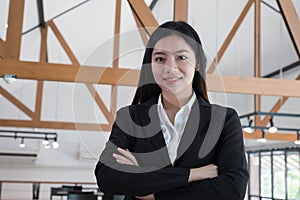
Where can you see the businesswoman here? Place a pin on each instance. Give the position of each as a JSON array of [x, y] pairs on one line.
[[171, 143]]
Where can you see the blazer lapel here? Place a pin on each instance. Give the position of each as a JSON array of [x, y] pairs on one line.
[[152, 128], [198, 119]]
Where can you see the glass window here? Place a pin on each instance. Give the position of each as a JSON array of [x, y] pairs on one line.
[[293, 175], [266, 175], [279, 174], [274, 174], [254, 174]]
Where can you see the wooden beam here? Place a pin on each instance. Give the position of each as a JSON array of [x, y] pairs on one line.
[[142, 31], [16, 102], [43, 50], [38, 100], [292, 21], [181, 10], [2, 49], [14, 30], [63, 42], [144, 14], [113, 96], [228, 39], [100, 103], [129, 77], [67, 73], [40, 84], [257, 58], [2, 43], [55, 125], [252, 85], [271, 136], [117, 34], [276, 108]]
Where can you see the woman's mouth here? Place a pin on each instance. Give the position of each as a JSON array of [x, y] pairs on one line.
[[172, 79]]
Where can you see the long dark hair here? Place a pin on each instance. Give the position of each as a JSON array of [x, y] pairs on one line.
[[147, 87]]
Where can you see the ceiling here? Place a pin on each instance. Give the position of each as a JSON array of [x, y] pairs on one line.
[[88, 29]]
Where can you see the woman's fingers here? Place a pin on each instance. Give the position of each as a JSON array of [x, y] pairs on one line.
[[148, 197], [126, 157], [122, 160]]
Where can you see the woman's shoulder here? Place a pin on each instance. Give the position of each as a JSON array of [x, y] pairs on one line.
[[226, 110]]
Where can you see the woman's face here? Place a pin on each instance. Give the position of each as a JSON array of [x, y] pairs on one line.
[[173, 65]]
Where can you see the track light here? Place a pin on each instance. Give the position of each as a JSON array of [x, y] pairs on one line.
[[298, 138], [55, 144], [45, 137], [22, 144], [45, 141], [262, 139], [272, 128], [249, 129]]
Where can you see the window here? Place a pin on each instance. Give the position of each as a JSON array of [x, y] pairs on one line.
[[274, 174]]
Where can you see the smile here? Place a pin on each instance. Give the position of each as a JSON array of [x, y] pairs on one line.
[[172, 79]]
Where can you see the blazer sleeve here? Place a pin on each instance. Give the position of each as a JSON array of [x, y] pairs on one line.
[[233, 175], [132, 180]]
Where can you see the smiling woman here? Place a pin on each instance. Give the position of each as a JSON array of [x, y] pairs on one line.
[[171, 143], [173, 67]]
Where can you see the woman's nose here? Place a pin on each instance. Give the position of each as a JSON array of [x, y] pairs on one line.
[[172, 64]]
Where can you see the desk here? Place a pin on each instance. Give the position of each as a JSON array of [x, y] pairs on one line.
[[65, 193]]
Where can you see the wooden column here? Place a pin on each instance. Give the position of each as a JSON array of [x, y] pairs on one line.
[[257, 58], [181, 10], [14, 30]]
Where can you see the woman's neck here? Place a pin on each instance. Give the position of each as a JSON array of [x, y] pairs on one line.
[[175, 102]]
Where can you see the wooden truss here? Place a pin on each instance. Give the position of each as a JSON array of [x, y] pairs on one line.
[[44, 71]]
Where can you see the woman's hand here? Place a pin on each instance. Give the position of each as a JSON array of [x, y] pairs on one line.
[[148, 197], [126, 157], [208, 171]]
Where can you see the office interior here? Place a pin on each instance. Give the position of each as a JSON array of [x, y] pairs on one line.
[[67, 66]]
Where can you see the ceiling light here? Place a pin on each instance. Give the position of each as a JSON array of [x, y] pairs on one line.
[[249, 129], [262, 139], [272, 128], [55, 144], [22, 144], [45, 141], [9, 78], [42, 136]]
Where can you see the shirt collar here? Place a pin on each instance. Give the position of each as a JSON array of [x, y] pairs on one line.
[[189, 104]]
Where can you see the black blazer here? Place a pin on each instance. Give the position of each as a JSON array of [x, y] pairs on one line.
[[137, 128]]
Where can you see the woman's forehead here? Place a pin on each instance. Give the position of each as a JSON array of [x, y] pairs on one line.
[[173, 44]]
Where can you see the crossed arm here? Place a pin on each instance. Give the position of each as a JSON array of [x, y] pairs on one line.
[[125, 157], [117, 172]]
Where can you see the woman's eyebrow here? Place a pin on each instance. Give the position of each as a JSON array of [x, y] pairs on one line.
[[175, 52], [159, 53]]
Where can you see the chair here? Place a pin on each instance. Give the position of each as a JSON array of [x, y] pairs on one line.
[[71, 188], [74, 195], [64, 190]]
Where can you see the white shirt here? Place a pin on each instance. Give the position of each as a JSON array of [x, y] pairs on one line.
[[173, 133]]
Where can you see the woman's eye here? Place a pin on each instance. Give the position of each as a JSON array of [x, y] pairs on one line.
[[182, 57], [159, 59]]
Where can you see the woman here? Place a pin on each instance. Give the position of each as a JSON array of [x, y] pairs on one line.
[[171, 143]]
